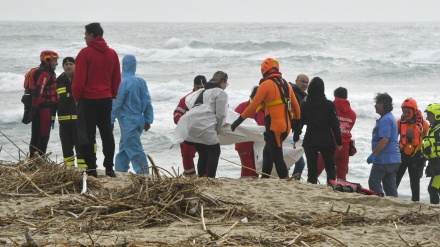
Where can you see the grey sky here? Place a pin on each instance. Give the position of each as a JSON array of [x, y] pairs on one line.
[[220, 10]]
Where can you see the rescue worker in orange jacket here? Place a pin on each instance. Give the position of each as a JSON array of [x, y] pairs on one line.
[[412, 129], [44, 100], [281, 109]]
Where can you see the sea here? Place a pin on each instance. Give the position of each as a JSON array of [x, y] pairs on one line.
[[401, 59]]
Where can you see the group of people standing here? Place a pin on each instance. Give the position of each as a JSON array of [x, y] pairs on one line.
[[403, 145], [283, 107], [90, 94]]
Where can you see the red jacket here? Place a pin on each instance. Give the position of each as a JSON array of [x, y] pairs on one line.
[[346, 116], [259, 116], [180, 110], [97, 72], [247, 147], [45, 93]]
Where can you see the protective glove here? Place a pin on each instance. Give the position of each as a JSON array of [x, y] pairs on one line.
[[52, 125], [236, 123], [371, 159]]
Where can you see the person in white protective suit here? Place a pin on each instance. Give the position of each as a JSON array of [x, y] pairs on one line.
[[132, 107], [204, 120]]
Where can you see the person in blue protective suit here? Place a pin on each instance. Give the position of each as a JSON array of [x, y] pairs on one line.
[[132, 107]]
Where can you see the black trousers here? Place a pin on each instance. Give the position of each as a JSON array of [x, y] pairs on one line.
[[273, 154], [208, 159], [94, 113], [69, 141], [415, 167], [328, 155]]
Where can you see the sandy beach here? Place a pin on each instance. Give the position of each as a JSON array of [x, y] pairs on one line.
[[43, 202]]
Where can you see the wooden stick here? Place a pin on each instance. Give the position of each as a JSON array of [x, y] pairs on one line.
[[153, 166], [261, 173], [34, 185], [13, 143], [203, 218], [333, 239], [227, 232]]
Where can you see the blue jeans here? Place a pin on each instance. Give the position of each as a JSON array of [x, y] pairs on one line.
[[299, 166], [384, 174]]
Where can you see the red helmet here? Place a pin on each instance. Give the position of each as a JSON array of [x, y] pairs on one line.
[[268, 64], [48, 56]]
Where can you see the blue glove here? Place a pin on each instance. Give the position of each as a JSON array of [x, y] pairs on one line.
[[371, 159], [52, 125]]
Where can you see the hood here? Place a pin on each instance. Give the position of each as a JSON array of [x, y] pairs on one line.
[[342, 105], [128, 65], [98, 44], [317, 101]]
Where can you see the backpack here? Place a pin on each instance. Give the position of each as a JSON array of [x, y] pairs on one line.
[[29, 86]]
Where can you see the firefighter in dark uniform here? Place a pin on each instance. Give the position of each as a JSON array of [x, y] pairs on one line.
[[66, 111]]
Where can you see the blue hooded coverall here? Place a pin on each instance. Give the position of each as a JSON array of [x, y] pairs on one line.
[[133, 109]]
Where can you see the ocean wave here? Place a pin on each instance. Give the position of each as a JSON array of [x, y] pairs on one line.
[[421, 56], [10, 82], [179, 53]]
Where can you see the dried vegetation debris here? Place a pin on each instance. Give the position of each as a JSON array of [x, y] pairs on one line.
[[159, 201]]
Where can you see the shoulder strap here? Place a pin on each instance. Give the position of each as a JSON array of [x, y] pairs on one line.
[[199, 99]]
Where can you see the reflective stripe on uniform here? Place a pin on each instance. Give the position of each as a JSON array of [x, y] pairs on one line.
[[436, 182], [68, 117], [69, 161], [180, 109], [190, 171], [81, 163], [61, 90]]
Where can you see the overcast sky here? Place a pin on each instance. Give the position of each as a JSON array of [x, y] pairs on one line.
[[221, 10]]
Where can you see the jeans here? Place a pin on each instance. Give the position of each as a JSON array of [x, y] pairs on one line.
[[384, 174], [299, 166]]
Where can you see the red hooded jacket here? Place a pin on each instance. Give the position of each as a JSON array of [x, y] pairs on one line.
[[97, 72], [346, 116]]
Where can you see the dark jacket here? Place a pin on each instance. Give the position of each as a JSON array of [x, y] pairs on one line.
[[66, 109], [300, 94], [319, 114]]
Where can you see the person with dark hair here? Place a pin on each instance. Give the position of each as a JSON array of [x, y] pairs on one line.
[[431, 151], [187, 150], [246, 149], [44, 101], [385, 154], [281, 108], [300, 90], [67, 116], [319, 114], [203, 122], [96, 83], [412, 129], [347, 119]]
